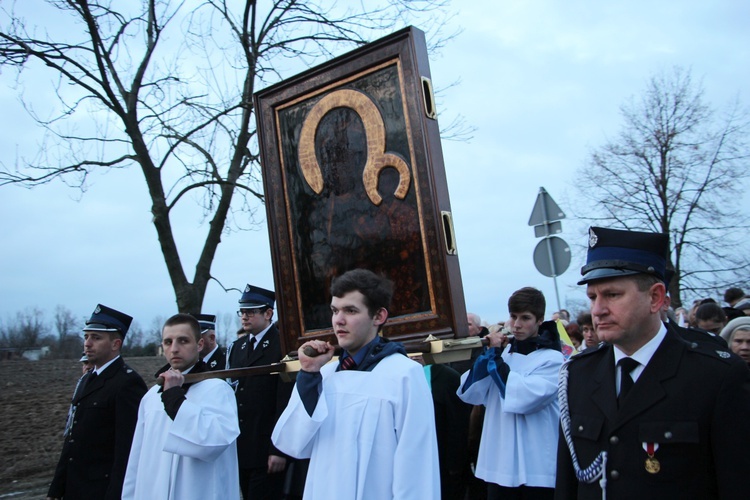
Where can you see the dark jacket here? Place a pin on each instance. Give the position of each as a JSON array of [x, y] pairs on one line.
[[218, 360], [452, 429], [95, 452], [260, 399], [693, 399]]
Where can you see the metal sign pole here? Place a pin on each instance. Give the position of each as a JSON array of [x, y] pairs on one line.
[[556, 259], [550, 254]]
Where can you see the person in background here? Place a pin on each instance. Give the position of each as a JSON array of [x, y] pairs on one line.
[[516, 380], [710, 317], [574, 332], [586, 324], [212, 354], [737, 335], [681, 316], [452, 428], [475, 329], [260, 399], [737, 299], [86, 365]]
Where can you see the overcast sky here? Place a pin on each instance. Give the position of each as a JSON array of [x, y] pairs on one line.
[[542, 82]]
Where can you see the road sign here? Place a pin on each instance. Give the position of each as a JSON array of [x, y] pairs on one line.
[[543, 230], [552, 256], [545, 210]]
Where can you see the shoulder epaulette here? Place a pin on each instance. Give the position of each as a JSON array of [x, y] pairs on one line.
[[590, 351], [711, 350]]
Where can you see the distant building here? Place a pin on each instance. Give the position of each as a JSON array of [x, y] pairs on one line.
[[30, 353]]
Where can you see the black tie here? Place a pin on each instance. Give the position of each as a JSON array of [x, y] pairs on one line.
[[250, 347], [91, 378], [626, 365]]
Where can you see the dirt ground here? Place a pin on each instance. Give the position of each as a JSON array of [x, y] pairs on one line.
[[34, 401]]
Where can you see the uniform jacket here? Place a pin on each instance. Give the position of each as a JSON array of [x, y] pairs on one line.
[[260, 399], [218, 360], [95, 453], [693, 399]]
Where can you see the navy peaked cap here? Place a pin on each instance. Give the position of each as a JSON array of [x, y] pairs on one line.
[[613, 253], [207, 321], [106, 319], [255, 297]]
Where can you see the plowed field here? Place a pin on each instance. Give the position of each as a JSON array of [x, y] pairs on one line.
[[34, 401]]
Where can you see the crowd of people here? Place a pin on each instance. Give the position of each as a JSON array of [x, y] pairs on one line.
[[651, 403]]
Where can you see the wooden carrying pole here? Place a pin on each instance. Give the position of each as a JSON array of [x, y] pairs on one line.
[[433, 350]]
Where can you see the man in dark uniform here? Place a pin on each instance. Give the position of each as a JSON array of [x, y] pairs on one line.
[[260, 399], [648, 414], [212, 354], [103, 415]]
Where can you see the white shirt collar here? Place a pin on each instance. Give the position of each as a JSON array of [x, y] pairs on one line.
[[105, 365], [208, 356], [260, 335], [642, 355]]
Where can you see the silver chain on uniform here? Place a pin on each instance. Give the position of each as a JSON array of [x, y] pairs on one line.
[[597, 469]]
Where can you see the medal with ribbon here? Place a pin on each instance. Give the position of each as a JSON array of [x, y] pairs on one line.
[[652, 464]]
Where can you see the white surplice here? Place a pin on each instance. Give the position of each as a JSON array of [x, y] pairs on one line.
[[520, 431], [192, 457], [371, 436]]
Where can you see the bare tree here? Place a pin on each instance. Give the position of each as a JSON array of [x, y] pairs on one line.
[[68, 338], [26, 330], [677, 168], [135, 335], [153, 334], [229, 327], [166, 86]]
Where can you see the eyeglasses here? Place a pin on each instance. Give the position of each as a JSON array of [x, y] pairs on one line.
[[250, 312]]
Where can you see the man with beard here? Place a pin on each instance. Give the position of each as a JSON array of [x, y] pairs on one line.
[[102, 416]]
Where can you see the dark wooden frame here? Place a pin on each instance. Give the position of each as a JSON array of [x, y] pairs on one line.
[[403, 54]]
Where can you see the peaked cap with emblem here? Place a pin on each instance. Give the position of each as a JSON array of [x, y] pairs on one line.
[[614, 253], [255, 297], [106, 319], [207, 321]]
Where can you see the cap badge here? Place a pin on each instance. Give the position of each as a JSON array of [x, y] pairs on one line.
[[247, 288], [97, 310], [593, 238]]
